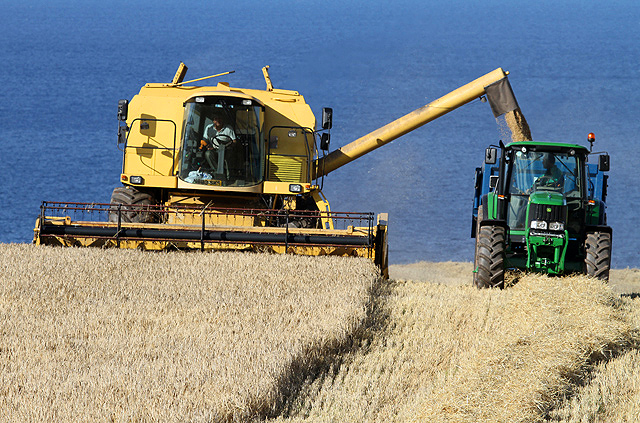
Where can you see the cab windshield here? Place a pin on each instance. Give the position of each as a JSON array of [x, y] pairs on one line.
[[545, 171], [221, 142], [535, 171]]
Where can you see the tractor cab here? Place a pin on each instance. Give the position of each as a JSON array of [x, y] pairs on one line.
[[536, 175]]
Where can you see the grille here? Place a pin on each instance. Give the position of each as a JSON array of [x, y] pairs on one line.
[[287, 169], [547, 213]]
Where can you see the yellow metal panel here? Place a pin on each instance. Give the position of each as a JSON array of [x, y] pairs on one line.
[[148, 162], [216, 91], [282, 142], [215, 219], [155, 180], [323, 205], [287, 169], [153, 140], [273, 187], [289, 110], [157, 245]]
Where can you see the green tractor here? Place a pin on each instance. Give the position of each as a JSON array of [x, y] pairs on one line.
[[540, 207]]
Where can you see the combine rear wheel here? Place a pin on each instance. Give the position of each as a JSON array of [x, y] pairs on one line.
[[489, 272], [598, 255], [125, 196]]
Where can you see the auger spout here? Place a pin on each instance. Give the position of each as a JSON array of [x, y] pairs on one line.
[[500, 97]]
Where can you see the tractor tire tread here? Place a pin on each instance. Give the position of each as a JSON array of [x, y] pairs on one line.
[[598, 255], [489, 272]]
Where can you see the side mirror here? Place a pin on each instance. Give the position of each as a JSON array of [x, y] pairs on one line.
[[490, 155], [603, 165], [324, 141], [327, 117], [123, 109]]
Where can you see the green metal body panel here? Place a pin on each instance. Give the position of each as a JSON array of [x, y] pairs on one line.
[[577, 147], [595, 213], [492, 206], [546, 198], [547, 253]]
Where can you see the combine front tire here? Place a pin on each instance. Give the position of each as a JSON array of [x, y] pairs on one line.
[[381, 248], [126, 196], [598, 254], [489, 272]]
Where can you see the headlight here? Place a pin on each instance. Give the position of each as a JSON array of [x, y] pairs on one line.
[[136, 180], [538, 224], [295, 188], [556, 226]]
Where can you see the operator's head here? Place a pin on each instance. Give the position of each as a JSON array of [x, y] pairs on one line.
[[218, 121], [548, 161]]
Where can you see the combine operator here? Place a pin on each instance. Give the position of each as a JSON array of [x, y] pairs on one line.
[[217, 136]]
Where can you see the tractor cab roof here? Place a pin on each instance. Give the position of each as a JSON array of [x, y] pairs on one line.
[[547, 146]]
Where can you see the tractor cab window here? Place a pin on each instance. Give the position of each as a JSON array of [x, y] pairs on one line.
[[544, 171], [535, 171], [221, 142]]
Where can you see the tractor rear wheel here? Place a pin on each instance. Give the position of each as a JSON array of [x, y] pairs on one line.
[[125, 196], [489, 272], [598, 254]]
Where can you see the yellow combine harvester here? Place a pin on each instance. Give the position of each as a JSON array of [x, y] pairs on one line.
[[223, 168]]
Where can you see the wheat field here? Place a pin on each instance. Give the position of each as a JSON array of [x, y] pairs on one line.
[[108, 335], [115, 335], [612, 391], [457, 354]]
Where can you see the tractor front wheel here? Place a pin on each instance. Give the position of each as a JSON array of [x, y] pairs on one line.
[[598, 254], [489, 272]]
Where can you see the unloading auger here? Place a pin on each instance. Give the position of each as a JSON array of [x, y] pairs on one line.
[[223, 168]]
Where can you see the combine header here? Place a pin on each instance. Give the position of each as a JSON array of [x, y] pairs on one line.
[[222, 168], [190, 227]]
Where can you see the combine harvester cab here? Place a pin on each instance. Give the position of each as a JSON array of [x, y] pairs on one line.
[[223, 168], [540, 207]]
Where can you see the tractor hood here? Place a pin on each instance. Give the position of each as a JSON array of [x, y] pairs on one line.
[[547, 197]]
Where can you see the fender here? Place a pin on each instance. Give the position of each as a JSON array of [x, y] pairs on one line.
[[488, 221], [599, 228]]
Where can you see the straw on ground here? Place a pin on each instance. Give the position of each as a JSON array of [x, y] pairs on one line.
[[95, 335]]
